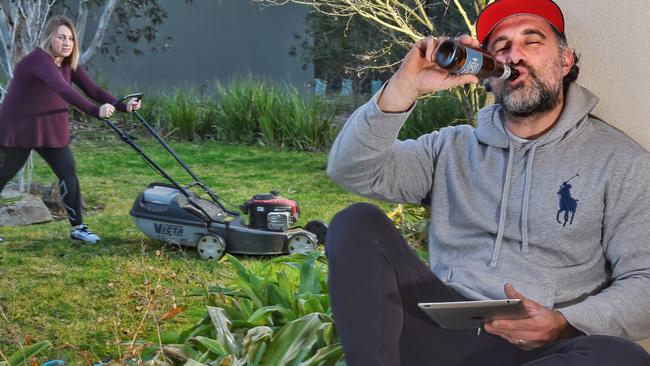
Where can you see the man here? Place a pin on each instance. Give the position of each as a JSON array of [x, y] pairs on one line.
[[541, 202]]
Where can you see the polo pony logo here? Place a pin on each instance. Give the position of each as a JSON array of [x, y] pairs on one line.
[[568, 204]]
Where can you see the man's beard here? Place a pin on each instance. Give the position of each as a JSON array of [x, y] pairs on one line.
[[525, 100]]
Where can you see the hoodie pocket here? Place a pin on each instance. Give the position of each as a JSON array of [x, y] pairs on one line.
[[484, 283]]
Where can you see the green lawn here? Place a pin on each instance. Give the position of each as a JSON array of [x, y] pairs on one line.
[[90, 301]]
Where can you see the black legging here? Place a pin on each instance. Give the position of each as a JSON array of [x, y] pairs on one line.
[[62, 163], [376, 281]]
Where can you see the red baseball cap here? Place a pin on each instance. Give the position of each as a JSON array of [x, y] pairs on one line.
[[499, 10]]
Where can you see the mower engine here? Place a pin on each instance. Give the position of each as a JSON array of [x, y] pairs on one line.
[[271, 211]]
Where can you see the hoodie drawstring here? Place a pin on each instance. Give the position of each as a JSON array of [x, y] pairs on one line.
[[504, 204], [524, 203]]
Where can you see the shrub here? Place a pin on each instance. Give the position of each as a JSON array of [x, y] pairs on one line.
[[278, 318]]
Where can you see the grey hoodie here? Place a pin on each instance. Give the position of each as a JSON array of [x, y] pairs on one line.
[[564, 218]]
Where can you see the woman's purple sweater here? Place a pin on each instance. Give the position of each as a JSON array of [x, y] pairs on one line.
[[34, 113]]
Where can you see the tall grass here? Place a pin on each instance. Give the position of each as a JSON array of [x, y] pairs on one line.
[[152, 110], [256, 112], [182, 112], [236, 119], [433, 113], [252, 112], [244, 111]]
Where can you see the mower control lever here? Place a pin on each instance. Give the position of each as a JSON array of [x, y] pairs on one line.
[[137, 96]]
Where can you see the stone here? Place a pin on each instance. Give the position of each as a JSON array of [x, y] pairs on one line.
[[23, 209], [51, 197]]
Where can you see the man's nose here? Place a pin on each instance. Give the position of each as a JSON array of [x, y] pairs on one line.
[[515, 55]]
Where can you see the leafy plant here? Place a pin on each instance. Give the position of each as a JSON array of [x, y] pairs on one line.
[[25, 354], [413, 223], [276, 318]]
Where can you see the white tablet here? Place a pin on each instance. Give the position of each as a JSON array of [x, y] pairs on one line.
[[472, 314]]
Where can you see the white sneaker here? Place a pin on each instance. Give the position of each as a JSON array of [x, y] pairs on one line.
[[82, 233], [1, 240]]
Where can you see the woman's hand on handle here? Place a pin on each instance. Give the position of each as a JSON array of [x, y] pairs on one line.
[[133, 105], [419, 75], [106, 110]]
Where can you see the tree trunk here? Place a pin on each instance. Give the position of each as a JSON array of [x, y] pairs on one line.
[[82, 19], [21, 25], [104, 19]]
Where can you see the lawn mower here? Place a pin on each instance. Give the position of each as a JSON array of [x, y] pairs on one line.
[[173, 213]]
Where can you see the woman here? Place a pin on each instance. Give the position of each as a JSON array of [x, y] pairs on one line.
[[34, 114]]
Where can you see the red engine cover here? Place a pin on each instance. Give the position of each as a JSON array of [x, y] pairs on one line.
[[260, 205]]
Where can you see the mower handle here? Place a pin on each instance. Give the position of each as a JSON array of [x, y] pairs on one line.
[[137, 96]]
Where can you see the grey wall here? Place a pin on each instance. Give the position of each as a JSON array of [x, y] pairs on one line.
[[214, 39], [612, 39]]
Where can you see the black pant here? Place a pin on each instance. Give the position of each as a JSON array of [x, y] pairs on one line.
[[62, 163], [376, 281]]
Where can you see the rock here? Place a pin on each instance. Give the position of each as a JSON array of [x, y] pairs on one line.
[[24, 210], [51, 197]]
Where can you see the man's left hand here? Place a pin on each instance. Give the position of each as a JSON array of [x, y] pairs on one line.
[[542, 327]]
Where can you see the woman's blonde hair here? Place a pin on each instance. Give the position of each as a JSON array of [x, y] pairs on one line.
[[49, 32]]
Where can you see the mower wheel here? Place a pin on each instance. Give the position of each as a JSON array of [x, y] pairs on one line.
[[211, 246], [301, 243], [318, 228]]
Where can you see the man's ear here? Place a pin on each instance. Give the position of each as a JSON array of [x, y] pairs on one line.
[[567, 60]]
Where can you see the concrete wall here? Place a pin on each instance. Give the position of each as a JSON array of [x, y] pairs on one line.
[[214, 39], [613, 38]]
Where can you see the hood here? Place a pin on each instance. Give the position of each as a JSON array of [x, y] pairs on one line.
[[578, 103]]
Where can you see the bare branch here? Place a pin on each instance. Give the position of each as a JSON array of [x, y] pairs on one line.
[[401, 21], [468, 23]]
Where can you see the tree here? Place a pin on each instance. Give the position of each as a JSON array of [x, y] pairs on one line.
[[408, 18], [345, 48], [356, 48], [21, 25], [403, 22], [132, 22]]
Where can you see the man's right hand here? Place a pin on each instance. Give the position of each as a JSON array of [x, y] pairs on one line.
[[419, 75]]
